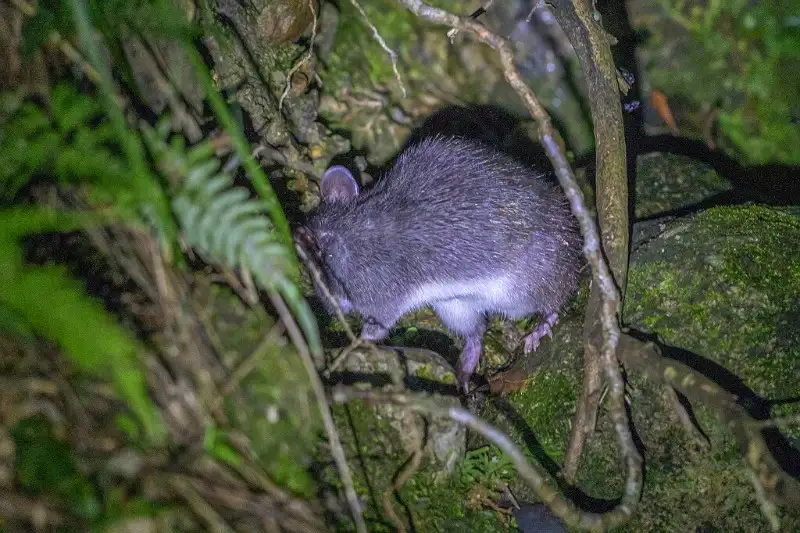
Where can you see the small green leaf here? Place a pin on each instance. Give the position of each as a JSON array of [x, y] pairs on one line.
[[215, 443]]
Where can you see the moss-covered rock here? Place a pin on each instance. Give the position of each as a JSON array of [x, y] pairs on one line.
[[405, 430], [363, 96], [723, 284], [667, 182]]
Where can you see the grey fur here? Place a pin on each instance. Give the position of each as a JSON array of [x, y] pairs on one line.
[[454, 224]]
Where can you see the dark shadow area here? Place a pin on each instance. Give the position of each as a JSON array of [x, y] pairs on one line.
[[489, 124], [773, 184], [486, 123], [583, 500], [379, 380], [781, 448], [426, 339]]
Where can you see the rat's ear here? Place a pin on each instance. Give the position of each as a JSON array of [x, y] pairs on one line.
[[338, 184]]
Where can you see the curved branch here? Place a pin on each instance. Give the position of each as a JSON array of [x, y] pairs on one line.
[[592, 47], [536, 479], [552, 142]]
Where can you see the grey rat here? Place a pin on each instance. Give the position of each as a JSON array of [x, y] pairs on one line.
[[454, 224]]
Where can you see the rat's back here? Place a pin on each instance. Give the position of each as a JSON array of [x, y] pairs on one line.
[[455, 219]]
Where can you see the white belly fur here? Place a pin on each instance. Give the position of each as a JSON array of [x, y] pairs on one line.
[[486, 295]]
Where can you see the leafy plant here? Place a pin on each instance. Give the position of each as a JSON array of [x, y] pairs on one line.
[[223, 222], [487, 466], [45, 465], [81, 140], [48, 301], [745, 59], [74, 142]]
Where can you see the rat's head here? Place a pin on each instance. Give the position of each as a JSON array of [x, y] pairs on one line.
[[322, 236]]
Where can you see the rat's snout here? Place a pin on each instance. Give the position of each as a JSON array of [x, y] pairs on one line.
[[307, 241]]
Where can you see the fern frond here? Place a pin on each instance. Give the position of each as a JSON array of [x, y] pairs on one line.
[[225, 224], [73, 142], [57, 307]]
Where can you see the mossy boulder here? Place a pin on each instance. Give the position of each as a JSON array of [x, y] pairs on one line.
[[402, 430], [723, 284], [667, 182]]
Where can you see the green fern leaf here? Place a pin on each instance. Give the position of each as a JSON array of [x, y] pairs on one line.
[[57, 307], [225, 224]]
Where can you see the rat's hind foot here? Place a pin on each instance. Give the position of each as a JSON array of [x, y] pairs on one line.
[[468, 361], [545, 327], [470, 355]]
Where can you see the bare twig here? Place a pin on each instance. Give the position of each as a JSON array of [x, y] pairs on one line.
[[792, 420], [536, 479], [182, 116], [306, 57], [474, 16], [580, 23], [685, 419], [768, 508], [327, 419], [382, 43], [585, 419], [253, 360], [355, 341], [293, 515], [551, 141], [405, 473], [317, 276]]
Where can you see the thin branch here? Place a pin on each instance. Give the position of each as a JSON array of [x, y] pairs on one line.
[[382, 43], [580, 24], [585, 419], [685, 418], [327, 419], [214, 521], [355, 341], [551, 141], [306, 57], [768, 508]]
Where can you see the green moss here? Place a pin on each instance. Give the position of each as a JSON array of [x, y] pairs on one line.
[[358, 60], [547, 405], [727, 291], [723, 284], [277, 411]]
